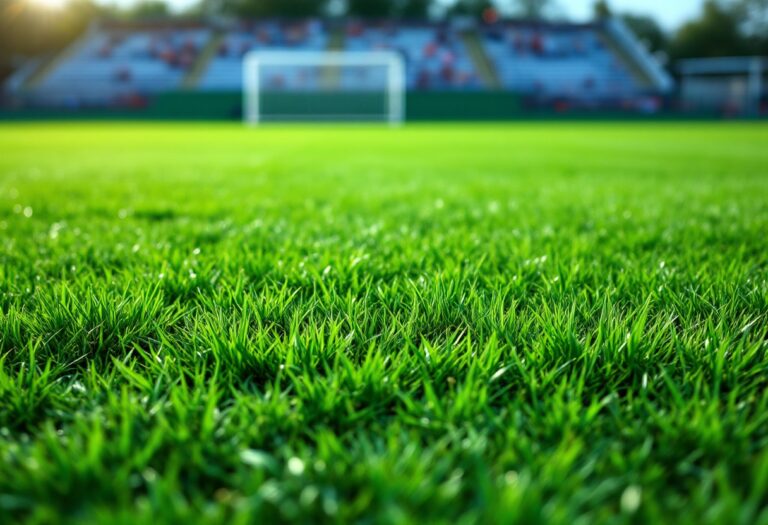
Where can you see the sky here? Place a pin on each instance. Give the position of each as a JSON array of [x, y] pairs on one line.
[[669, 13]]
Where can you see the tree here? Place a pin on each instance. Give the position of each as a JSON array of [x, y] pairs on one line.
[[753, 17], [28, 29], [295, 8], [532, 9], [265, 8], [370, 8], [471, 7], [715, 33], [413, 8], [388, 8], [645, 27], [148, 9], [601, 10], [647, 30]]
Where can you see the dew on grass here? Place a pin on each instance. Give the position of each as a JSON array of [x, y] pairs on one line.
[[432, 264], [309, 495], [511, 477], [149, 475], [256, 458], [56, 227], [330, 503], [223, 495], [28, 212], [631, 499], [296, 466], [270, 491]]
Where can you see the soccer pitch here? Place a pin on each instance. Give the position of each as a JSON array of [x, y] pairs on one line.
[[523, 323]]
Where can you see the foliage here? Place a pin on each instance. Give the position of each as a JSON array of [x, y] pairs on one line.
[[416, 9], [753, 18], [601, 10], [647, 30], [28, 29], [270, 8], [498, 324], [370, 8], [715, 33], [532, 9], [723, 28], [473, 8], [148, 9]]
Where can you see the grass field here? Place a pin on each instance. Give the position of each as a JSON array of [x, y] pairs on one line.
[[553, 323]]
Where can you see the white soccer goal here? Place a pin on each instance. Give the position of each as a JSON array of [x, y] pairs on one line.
[[294, 86]]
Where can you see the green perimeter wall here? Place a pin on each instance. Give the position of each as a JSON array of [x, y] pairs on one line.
[[193, 105], [420, 106]]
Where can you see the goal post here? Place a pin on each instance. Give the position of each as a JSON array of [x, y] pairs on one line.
[[295, 86]]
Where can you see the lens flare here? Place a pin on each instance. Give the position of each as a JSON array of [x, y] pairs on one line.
[[49, 4]]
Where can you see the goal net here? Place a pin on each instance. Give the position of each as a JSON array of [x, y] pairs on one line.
[[285, 86]]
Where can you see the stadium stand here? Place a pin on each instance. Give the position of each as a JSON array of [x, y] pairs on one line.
[[118, 64], [225, 69], [554, 61], [435, 56]]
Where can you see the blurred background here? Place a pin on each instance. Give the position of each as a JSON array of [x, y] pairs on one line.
[[462, 59]]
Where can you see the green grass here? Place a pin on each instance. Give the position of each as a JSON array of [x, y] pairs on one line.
[[561, 324]]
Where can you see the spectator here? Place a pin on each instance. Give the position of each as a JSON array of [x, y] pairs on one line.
[[122, 75], [537, 44], [423, 79]]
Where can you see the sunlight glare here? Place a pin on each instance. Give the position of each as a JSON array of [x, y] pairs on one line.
[[49, 4]]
